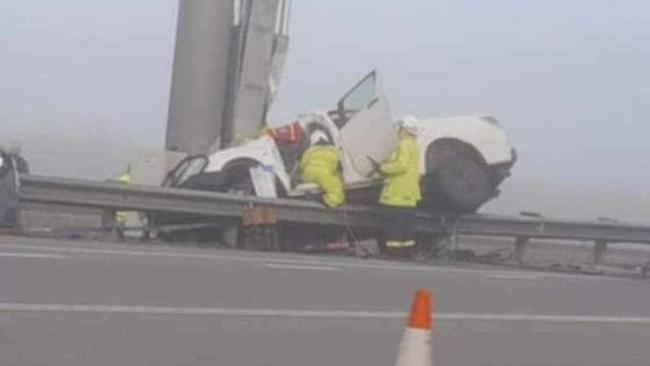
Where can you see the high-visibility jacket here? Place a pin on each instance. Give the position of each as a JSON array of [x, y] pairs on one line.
[[121, 216], [124, 178], [319, 164], [402, 175]]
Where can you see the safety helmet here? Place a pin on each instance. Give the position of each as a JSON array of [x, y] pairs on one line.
[[318, 136], [409, 123]]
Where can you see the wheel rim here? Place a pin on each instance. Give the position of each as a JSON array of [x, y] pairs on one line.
[[465, 175]]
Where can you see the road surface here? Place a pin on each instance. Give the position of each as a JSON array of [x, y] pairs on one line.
[[80, 303]]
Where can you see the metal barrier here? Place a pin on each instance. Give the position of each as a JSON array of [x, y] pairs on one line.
[[47, 190]]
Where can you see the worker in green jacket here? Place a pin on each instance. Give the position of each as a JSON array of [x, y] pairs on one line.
[[320, 164], [125, 178], [401, 192]]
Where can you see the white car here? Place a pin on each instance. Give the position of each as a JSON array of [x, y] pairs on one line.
[[463, 159]]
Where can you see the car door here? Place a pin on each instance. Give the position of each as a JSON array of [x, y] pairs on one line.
[[366, 128]]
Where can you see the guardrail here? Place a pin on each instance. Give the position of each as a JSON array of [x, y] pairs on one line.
[[106, 195], [525, 228], [109, 195]]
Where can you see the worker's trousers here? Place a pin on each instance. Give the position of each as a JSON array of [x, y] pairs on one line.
[[332, 186], [399, 231]]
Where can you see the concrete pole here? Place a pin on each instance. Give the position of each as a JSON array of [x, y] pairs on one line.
[[200, 75], [263, 49]]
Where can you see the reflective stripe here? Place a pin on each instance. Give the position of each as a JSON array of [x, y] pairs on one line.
[[400, 244], [393, 244]]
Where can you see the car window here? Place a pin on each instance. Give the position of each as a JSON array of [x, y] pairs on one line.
[[361, 94], [360, 97]]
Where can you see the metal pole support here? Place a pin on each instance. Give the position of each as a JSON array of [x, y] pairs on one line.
[[521, 249], [600, 249]]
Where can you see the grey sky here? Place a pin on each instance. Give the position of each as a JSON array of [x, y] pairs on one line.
[[567, 79]]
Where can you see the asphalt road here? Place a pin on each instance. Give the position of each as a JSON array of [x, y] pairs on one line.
[[76, 303]]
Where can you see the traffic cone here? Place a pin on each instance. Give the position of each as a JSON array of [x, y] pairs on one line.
[[416, 349]]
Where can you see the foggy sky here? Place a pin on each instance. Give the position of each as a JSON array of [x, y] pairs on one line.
[[568, 81]]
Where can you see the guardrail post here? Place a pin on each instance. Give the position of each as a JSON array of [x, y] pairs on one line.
[[600, 249], [521, 249], [9, 186], [260, 229]]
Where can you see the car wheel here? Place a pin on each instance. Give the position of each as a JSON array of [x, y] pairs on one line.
[[457, 180]]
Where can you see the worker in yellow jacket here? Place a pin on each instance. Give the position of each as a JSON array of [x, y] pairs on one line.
[[401, 191], [320, 164], [125, 178]]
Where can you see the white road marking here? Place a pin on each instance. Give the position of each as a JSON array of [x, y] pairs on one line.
[[299, 267], [31, 255], [513, 276], [332, 314], [545, 318], [377, 265]]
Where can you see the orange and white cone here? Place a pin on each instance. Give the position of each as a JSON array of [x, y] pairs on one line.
[[416, 348]]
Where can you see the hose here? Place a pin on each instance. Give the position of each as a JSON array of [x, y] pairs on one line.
[[354, 239]]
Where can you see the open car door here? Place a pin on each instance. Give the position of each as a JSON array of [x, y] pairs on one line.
[[366, 127]]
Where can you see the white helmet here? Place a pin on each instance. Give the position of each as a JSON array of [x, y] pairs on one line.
[[318, 136], [409, 123]]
